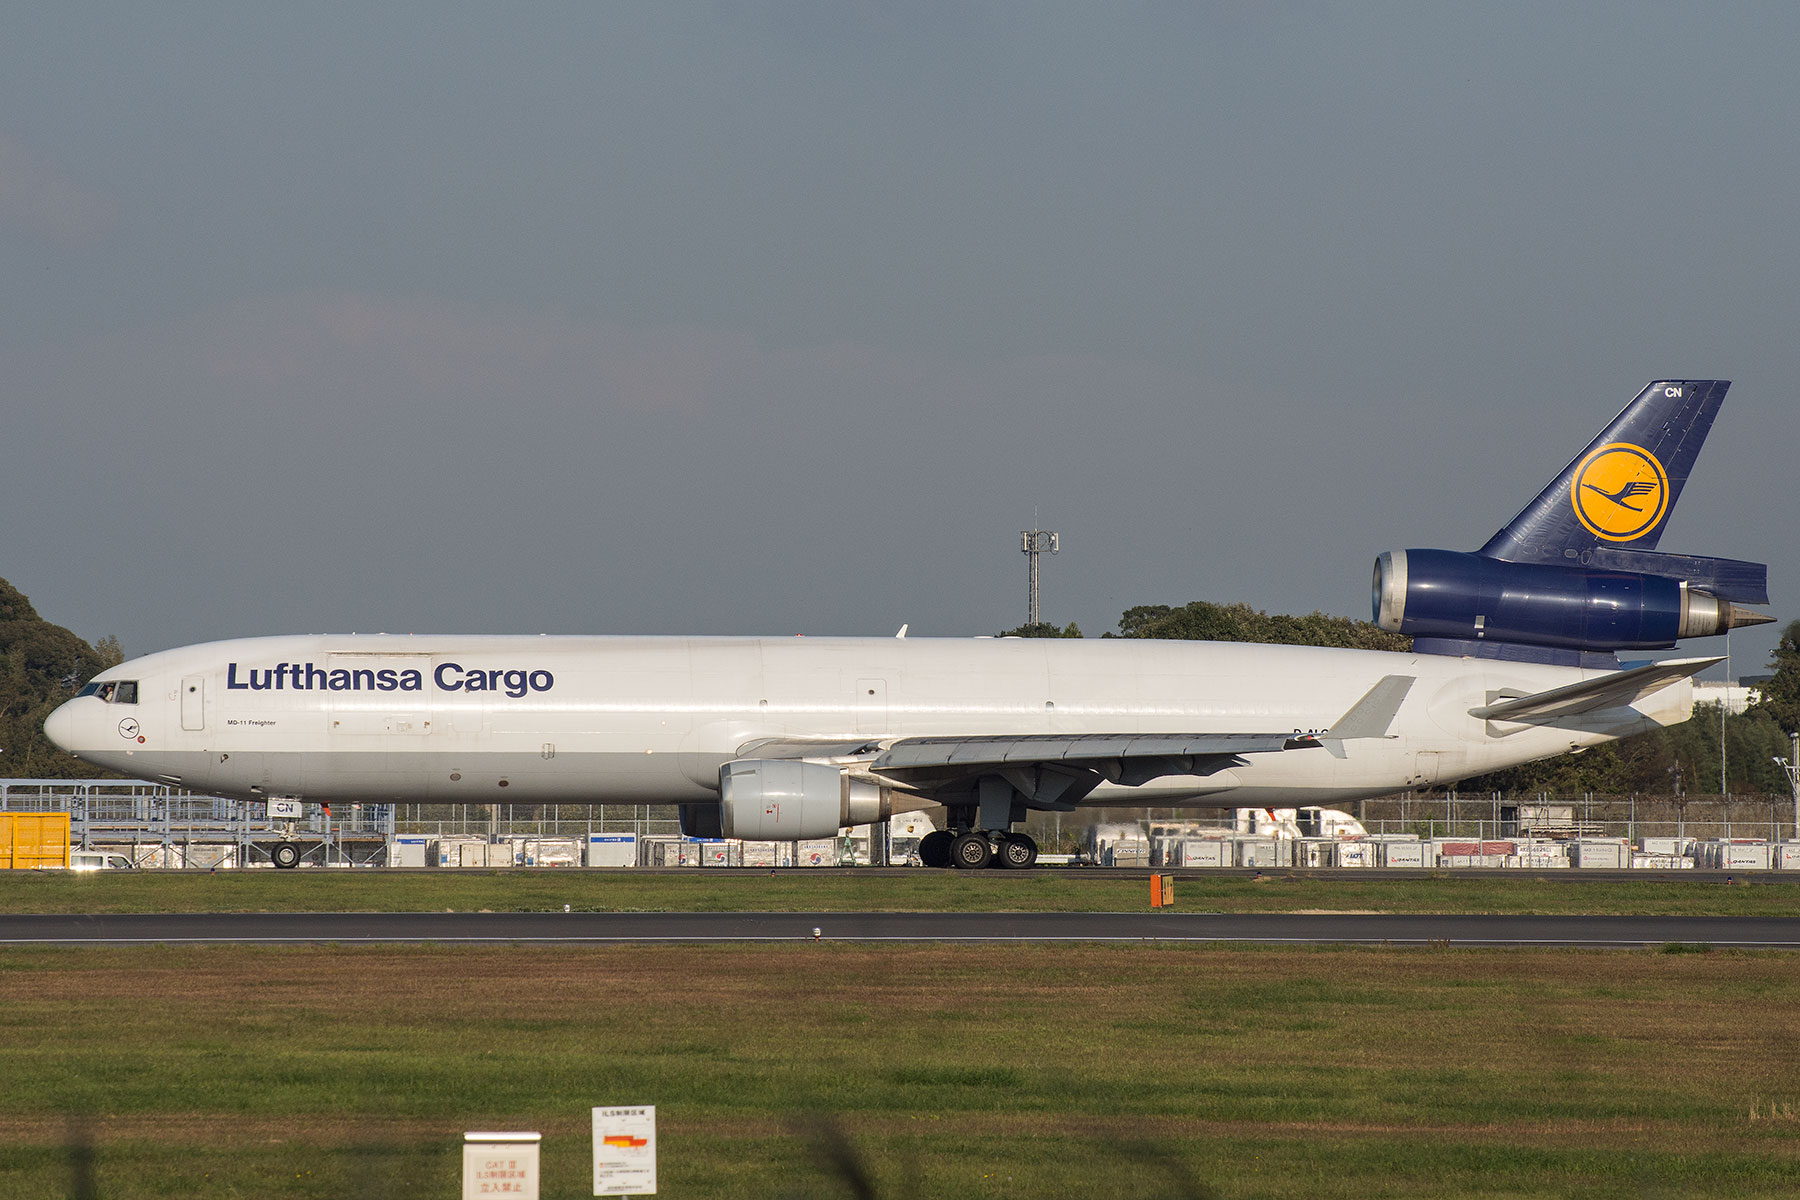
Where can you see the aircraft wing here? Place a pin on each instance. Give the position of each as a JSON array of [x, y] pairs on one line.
[[1606, 691], [1053, 771]]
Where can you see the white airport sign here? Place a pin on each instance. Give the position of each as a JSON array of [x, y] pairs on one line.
[[500, 1164], [625, 1151]]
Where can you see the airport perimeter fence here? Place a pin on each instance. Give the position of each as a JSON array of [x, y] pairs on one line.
[[1766, 816], [173, 827]]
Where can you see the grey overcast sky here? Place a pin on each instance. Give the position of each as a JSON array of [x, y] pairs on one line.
[[784, 318]]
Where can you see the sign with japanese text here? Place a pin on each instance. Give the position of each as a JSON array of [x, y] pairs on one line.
[[495, 1167], [625, 1151]]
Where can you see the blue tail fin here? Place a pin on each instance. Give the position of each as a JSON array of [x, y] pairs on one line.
[[1618, 493]]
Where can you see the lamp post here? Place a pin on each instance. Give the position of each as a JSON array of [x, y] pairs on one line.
[[1791, 767]]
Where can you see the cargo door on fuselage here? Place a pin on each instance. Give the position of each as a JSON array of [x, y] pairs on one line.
[[870, 706], [193, 703], [374, 693]]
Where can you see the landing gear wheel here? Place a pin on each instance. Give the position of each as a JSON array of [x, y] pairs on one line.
[[934, 848], [1017, 851], [971, 852], [285, 855]]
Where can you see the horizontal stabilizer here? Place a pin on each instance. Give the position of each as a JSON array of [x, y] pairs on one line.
[[1727, 578], [1607, 691], [1371, 716]]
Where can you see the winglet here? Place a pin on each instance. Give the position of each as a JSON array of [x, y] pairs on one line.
[[1371, 716]]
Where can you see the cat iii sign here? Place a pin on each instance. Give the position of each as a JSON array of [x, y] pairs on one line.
[[500, 1164]]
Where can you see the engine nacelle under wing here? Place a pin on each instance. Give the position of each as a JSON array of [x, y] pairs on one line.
[[788, 800]]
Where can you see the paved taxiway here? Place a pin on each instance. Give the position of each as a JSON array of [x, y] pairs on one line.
[[1273, 928]]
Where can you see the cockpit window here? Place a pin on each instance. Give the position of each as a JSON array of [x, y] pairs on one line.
[[113, 691]]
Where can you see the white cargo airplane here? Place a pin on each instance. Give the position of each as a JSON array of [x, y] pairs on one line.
[[789, 738]]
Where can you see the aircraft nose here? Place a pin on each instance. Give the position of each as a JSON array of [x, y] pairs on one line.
[[61, 725]]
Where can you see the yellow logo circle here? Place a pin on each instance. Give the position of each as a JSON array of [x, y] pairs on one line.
[[1620, 492]]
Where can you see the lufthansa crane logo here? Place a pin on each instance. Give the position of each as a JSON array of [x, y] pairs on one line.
[[1620, 492]]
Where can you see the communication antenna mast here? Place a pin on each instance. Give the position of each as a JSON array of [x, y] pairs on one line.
[[1033, 542]]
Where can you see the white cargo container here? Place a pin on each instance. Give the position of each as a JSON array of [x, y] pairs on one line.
[[1661, 862], [450, 851], [819, 852], [612, 849], [1745, 856], [1474, 860], [1353, 854], [410, 852], [1606, 855], [767, 854], [1401, 854], [661, 850], [1203, 852], [1119, 845], [720, 853], [1662, 845], [1539, 855], [1314, 852], [1259, 852], [1786, 856], [558, 851]]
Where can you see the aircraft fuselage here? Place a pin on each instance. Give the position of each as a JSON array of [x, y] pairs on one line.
[[484, 719]]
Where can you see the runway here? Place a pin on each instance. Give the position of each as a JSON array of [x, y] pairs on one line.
[[989, 928]]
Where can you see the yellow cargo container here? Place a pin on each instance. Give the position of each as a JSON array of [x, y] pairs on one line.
[[29, 840]]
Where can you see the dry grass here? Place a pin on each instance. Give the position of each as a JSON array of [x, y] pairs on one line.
[[1017, 1071]]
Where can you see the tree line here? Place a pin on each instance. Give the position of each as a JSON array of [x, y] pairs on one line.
[[41, 665]]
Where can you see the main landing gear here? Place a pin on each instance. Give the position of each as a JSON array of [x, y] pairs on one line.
[[973, 849]]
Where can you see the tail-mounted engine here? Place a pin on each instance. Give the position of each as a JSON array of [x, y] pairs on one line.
[[1442, 594]]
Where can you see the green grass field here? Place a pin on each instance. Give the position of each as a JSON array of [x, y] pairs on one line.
[[1019, 1071], [1010, 1071], [845, 891]]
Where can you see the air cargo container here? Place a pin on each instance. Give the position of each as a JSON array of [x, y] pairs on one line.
[[612, 850], [33, 840], [1606, 855], [1744, 856], [1260, 852], [1401, 854], [1203, 852]]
